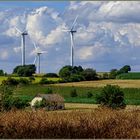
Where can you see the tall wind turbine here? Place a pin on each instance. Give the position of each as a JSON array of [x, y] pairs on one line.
[[38, 52], [72, 31], [23, 34]]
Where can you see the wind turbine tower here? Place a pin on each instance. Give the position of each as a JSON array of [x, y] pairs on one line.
[[72, 31], [38, 52], [23, 34]]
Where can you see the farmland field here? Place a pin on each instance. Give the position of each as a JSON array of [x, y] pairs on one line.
[[131, 89], [132, 95], [130, 75], [101, 83], [37, 79], [97, 123]]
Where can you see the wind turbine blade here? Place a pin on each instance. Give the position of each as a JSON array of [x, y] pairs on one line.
[[35, 60], [74, 23], [25, 30], [18, 30], [44, 52], [66, 30], [35, 46]]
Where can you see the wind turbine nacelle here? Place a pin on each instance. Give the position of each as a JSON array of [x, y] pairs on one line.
[[73, 31], [25, 33]]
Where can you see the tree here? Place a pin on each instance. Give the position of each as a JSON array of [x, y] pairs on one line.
[[51, 75], [111, 96], [125, 69], [71, 74], [1, 73], [26, 70], [65, 72], [89, 74], [113, 73]]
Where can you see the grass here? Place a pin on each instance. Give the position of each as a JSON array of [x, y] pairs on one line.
[[130, 75], [132, 95], [102, 83], [131, 90], [37, 79], [95, 124]]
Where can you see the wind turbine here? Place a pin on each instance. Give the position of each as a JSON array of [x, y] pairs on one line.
[[38, 52], [23, 34], [72, 31]]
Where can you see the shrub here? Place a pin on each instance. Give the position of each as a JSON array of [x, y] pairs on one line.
[[24, 81], [89, 74], [105, 75], [49, 91], [31, 79], [73, 93], [89, 94], [76, 78], [39, 104], [112, 97], [6, 93], [51, 75], [10, 81], [46, 81], [19, 103]]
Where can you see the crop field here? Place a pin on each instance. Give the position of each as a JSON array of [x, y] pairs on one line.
[[98, 123], [131, 89], [132, 95], [131, 75], [37, 79], [102, 83]]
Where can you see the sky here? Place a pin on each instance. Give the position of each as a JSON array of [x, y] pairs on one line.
[[107, 37]]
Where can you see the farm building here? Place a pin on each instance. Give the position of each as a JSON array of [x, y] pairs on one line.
[[51, 101]]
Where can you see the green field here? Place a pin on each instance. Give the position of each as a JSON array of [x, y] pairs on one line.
[[131, 75], [131, 89], [37, 79], [132, 95]]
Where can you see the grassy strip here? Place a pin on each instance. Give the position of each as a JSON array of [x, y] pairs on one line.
[[131, 75]]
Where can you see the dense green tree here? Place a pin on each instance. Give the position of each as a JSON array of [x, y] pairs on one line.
[[26, 70], [89, 74], [69, 72], [65, 72], [125, 69], [1, 73], [111, 96]]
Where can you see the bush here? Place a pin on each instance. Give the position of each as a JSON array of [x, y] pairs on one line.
[[40, 104], [26, 70], [89, 74], [105, 75], [76, 78], [89, 94], [24, 81], [31, 79], [73, 93], [53, 75], [112, 97], [46, 81], [49, 91], [10, 81]]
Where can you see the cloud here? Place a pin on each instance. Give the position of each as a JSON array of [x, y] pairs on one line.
[[107, 34]]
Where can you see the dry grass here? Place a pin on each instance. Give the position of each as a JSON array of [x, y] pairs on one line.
[[79, 106], [100, 123], [102, 83]]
